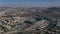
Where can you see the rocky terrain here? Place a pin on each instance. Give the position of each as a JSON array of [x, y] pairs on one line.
[[34, 20]]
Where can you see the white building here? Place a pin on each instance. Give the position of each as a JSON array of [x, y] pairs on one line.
[[2, 13], [16, 17]]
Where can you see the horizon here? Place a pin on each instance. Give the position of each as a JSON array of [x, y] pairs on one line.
[[29, 3]]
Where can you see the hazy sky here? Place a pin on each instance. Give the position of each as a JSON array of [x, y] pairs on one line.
[[17, 3]]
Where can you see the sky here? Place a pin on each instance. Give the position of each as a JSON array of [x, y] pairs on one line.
[[29, 3]]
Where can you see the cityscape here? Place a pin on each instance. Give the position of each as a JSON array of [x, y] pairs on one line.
[[29, 17]]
